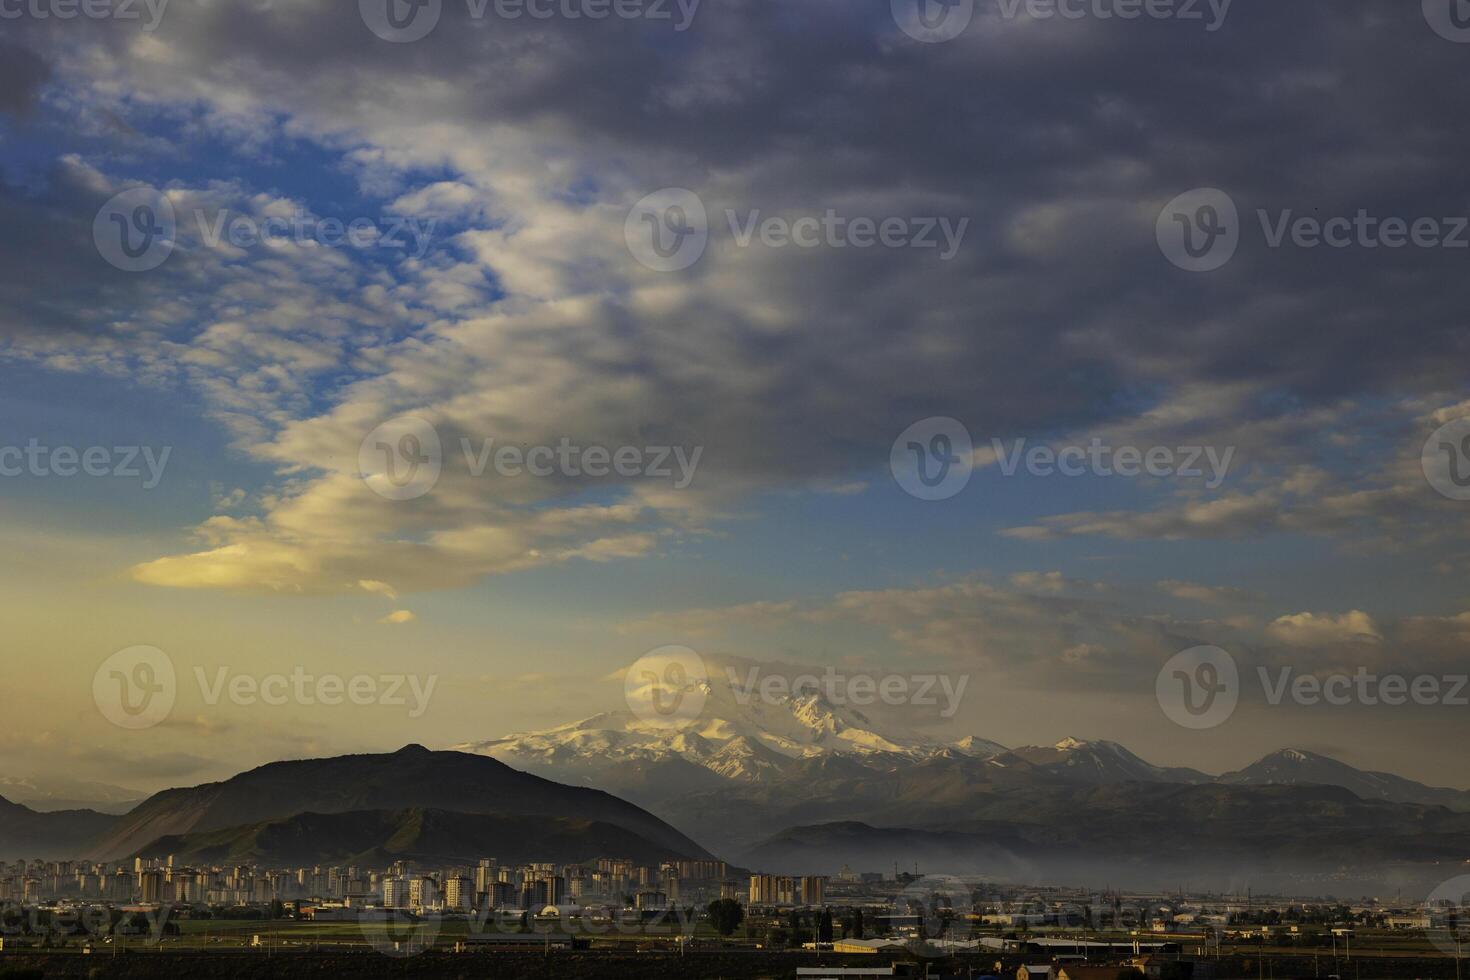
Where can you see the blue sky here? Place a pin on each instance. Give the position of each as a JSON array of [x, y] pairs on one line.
[[530, 318]]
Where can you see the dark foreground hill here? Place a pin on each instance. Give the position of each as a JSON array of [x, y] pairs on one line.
[[377, 838], [411, 778]]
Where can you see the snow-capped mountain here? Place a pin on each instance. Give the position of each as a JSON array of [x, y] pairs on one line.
[[1099, 763], [750, 765], [741, 735]]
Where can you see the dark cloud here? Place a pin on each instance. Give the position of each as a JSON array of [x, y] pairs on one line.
[[22, 73], [1059, 141]]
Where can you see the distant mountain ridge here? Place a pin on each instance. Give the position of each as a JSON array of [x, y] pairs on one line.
[[1295, 767], [50, 793], [751, 767], [60, 834], [1150, 833]]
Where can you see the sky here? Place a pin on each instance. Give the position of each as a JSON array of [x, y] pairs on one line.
[[1036, 174]]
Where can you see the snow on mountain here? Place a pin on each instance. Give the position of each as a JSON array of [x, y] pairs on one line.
[[980, 748], [1098, 761], [742, 734]]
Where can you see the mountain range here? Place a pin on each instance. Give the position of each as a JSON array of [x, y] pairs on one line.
[[47, 793], [790, 784], [801, 782]]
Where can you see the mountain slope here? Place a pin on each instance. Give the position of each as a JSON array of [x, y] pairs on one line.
[[377, 838], [1294, 767], [26, 833], [411, 777], [742, 737], [1150, 833], [1099, 763]]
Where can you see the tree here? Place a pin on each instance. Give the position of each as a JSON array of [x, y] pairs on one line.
[[824, 927], [726, 914]]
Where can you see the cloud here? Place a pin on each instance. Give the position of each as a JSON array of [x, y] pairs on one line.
[[529, 321], [1324, 629], [378, 588], [1195, 592], [398, 617], [699, 622]]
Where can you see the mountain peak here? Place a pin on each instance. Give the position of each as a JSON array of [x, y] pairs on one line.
[[413, 748]]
